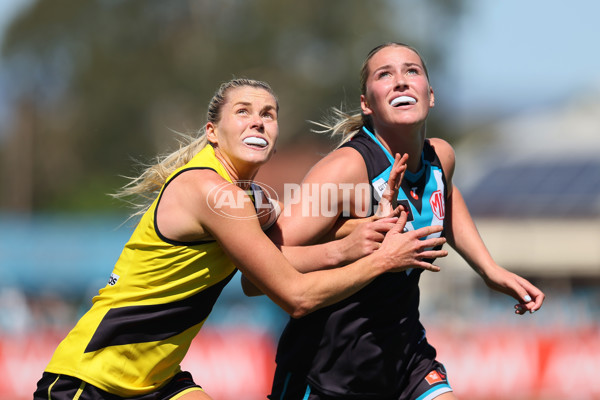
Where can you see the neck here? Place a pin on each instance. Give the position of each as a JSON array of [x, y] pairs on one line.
[[404, 141], [235, 172]]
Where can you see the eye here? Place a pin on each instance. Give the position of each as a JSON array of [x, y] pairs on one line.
[[383, 74], [242, 111], [413, 71], [269, 114]]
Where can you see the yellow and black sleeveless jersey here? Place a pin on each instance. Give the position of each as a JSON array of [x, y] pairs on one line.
[[141, 324]]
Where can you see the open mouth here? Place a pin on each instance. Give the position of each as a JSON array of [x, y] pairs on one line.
[[256, 142], [403, 101]]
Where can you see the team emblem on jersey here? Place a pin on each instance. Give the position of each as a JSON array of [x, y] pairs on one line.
[[413, 193], [434, 377], [437, 204]]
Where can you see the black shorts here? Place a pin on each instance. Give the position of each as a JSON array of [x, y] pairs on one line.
[[65, 387], [288, 386]]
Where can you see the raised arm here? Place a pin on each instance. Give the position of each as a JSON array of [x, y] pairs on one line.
[[463, 236]]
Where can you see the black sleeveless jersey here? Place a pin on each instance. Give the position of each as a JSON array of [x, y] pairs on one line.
[[368, 345]]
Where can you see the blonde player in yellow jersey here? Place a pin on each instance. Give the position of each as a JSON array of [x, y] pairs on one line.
[[200, 227]]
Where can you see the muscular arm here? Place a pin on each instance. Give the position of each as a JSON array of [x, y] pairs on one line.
[[313, 209], [189, 212], [463, 236], [303, 223], [327, 191]]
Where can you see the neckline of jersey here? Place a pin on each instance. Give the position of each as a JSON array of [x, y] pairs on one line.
[[407, 174]]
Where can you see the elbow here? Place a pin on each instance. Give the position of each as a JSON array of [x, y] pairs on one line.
[[298, 298], [299, 306], [300, 311]]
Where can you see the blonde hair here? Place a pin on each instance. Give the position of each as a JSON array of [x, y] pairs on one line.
[[148, 184], [345, 125], [342, 125]]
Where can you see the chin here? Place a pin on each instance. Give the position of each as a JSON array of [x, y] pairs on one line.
[[408, 120], [258, 159]]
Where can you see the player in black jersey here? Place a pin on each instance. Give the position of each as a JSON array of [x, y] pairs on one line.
[[372, 345]]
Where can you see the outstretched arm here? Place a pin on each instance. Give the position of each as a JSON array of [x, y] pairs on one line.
[[463, 236], [465, 239]]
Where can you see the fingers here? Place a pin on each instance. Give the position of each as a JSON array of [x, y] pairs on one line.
[[539, 300], [522, 308], [403, 167], [396, 211], [386, 221], [395, 178], [431, 254], [401, 223], [398, 170], [432, 242], [538, 296], [428, 230], [427, 266], [394, 173], [530, 296], [397, 167], [379, 227], [529, 304]]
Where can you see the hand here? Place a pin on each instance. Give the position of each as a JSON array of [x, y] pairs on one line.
[[365, 238], [530, 298], [388, 206], [406, 249]]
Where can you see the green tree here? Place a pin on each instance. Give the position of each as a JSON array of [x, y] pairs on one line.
[[98, 83]]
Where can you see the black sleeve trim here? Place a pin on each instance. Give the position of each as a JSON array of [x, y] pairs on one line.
[[160, 235]]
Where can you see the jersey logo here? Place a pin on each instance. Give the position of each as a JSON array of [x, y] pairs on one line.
[[433, 377], [413, 193], [112, 281], [379, 185], [437, 204]]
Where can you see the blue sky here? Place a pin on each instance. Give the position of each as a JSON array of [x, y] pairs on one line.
[[524, 52], [506, 54]]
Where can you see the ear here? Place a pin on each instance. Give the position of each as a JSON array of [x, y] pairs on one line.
[[431, 98], [211, 133], [364, 106]]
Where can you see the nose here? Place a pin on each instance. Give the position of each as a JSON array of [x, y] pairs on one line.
[[257, 123], [400, 82]]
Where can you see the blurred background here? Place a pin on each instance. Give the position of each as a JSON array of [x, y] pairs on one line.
[[87, 89]]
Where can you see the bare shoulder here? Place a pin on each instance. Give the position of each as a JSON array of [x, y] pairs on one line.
[[343, 165], [445, 152], [186, 203], [195, 184], [442, 148]]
